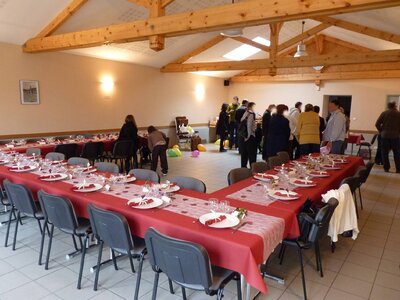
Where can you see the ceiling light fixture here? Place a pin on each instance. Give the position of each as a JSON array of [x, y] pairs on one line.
[[233, 32], [301, 48]]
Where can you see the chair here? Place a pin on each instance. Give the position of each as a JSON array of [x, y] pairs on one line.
[[259, 167], [274, 161], [58, 212], [144, 174], [238, 174], [190, 183], [107, 167], [112, 229], [33, 151], [354, 183], [368, 145], [363, 174], [93, 151], [122, 152], [309, 236], [78, 161], [187, 264], [55, 156], [69, 150], [284, 156], [23, 203]]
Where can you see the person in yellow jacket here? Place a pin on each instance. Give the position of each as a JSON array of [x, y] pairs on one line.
[[307, 131]]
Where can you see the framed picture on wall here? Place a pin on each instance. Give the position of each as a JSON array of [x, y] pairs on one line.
[[29, 91]]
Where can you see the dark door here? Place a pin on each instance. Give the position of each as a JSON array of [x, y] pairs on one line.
[[345, 102]]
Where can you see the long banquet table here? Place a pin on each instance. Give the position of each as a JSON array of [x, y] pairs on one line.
[[242, 251]]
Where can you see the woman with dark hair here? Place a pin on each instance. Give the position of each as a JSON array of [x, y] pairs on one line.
[[157, 142], [223, 126], [129, 132], [248, 124], [278, 132]]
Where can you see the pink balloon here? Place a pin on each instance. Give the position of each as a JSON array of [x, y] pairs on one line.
[[195, 153]]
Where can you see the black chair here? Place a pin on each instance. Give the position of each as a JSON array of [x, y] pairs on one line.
[[23, 204], [274, 161], [93, 151], [122, 153], [354, 183], [309, 236], [113, 229], [59, 212], [363, 174], [238, 174], [284, 156], [259, 167], [187, 264], [368, 145], [146, 175], [69, 150], [190, 183]]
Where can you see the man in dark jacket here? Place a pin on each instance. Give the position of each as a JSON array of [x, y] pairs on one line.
[[265, 124], [388, 125], [238, 117]]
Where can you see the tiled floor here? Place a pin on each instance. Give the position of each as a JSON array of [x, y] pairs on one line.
[[367, 268]]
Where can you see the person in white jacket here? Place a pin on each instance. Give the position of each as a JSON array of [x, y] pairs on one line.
[[294, 114]]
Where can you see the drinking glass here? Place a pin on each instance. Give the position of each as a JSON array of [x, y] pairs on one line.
[[213, 204]]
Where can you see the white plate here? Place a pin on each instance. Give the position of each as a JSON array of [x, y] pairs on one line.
[[58, 162], [284, 168], [303, 182], [265, 177], [89, 170], [230, 221], [59, 176], [341, 161], [171, 189], [31, 168], [330, 167], [318, 174], [97, 187], [4, 162], [291, 195], [301, 162], [156, 202]]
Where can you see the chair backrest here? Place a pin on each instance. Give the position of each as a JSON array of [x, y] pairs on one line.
[[362, 174], [55, 156], [21, 198], [33, 150], [369, 167], [284, 156], [374, 138], [183, 262], [92, 150], [122, 149], [144, 174], [112, 228], [69, 150], [107, 167], [238, 174], [58, 211], [78, 161], [274, 161], [259, 167], [322, 218], [353, 182], [189, 183]]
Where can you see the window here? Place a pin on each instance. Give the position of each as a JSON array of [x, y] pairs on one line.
[[244, 51]]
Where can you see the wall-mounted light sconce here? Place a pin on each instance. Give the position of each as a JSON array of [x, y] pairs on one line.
[[107, 85]]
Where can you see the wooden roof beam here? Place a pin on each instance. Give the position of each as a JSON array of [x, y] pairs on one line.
[[156, 42], [247, 13], [274, 29]]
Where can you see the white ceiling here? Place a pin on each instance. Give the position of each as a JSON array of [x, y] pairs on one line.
[[23, 19]]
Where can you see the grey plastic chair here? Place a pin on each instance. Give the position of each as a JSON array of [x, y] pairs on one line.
[[78, 161], [33, 150], [190, 183], [284, 156], [55, 156], [144, 174], [107, 167], [187, 264], [22, 203], [58, 212], [112, 229], [274, 161], [69, 150], [354, 183], [238, 174], [259, 167]]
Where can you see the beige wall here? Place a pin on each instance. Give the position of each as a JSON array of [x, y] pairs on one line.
[[368, 96], [72, 99]]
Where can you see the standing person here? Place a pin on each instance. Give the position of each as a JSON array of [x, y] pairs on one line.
[[308, 130], [378, 155], [278, 132], [259, 136], [129, 132], [248, 122], [238, 116], [321, 121], [292, 135], [388, 125], [223, 126], [233, 137], [157, 142], [294, 114], [335, 131], [265, 125]]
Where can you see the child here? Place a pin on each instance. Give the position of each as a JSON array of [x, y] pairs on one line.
[[158, 146], [259, 135]]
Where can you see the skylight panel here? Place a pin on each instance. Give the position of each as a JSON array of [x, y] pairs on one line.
[[244, 51]]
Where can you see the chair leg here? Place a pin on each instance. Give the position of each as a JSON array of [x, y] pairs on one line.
[[16, 230], [114, 260], [318, 255], [139, 276], [46, 267], [355, 203], [302, 273], [42, 243], [155, 285], [74, 240], [96, 280], [282, 254], [171, 287], [239, 287], [361, 200], [183, 293], [131, 262], [40, 226], [82, 260], [8, 226]]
